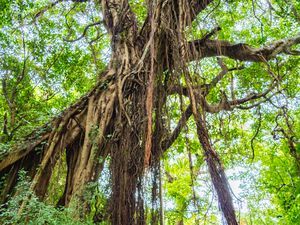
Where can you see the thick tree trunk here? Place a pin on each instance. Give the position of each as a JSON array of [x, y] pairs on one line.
[[108, 120], [112, 118]]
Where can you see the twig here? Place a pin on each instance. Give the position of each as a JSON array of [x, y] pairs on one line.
[[259, 124], [84, 32]]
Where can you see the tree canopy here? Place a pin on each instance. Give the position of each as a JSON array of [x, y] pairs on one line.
[[150, 112]]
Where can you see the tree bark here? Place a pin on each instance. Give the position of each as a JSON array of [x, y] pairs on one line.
[[217, 173]]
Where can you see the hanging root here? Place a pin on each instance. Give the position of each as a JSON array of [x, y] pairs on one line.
[[217, 173]]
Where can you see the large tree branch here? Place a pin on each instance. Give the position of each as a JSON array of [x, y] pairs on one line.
[[242, 51], [21, 149], [226, 104]]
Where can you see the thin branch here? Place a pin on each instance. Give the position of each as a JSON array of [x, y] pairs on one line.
[[254, 13], [96, 38], [198, 6], [40, 13], [26, 113], [210, 34], [211, 11], [253, 96], [257, 104], [19, 79], [216, 80], [185, 116], [5, 92], [44, 77], [94, 58], [296, 14], [257, 130], [84, 32]]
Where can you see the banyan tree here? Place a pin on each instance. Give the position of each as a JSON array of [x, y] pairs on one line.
[[124, 118]]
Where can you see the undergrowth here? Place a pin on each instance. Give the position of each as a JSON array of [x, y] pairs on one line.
[[35, 212]]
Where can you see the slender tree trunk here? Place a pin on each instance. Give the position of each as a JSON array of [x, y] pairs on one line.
[[217, 173], [161, 197]]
